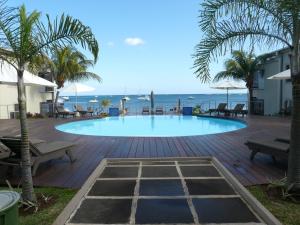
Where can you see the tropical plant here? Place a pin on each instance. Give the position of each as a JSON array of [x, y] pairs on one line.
[[105, 103], [69, 64], [230, 23], [241, 66], [23, 37], [197, 110], [286, 191]]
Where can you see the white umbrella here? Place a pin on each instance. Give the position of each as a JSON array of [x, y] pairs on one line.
[[8, 75], [78, 88], [93, 101], [284, 75], [229, 85]]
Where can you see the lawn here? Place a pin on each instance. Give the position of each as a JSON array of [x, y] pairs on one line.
[[287, 212], [47, 216]]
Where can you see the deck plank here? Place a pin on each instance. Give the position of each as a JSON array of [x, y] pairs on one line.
[[228, 147]]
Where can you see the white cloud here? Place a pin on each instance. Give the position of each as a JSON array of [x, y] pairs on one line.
[[134, 41]]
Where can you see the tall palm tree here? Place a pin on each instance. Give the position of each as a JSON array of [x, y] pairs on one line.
[[22, 37], [69, 64], [242, 66], [228, 23], [105, 103]]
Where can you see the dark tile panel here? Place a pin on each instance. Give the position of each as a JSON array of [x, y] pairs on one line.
[[204, 161], [159, 171], [113, 188], [156, 211], [161, 188], [209, 187], [199, 171], [158, 163], [120, 172], [107, 211], [226, 210], [121, 163]]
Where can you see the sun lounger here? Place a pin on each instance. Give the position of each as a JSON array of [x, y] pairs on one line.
[[40, 153], [61, 111], [238, 109], [269, 146], [159, 110], [145, 110], [221, 109], [33, 141], [283, 139], [4, 151], [78, 108]]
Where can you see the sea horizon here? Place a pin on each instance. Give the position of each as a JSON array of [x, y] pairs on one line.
[[143, 94], [167, 101]]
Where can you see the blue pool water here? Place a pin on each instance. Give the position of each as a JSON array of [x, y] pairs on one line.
[[151, 126]]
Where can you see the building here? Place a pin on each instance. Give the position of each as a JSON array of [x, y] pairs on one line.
[[272, 97], [39, 91]]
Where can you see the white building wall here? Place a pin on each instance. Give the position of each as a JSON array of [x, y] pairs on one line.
[[9, 97], [274, 92], [271, 89], [287, 90], [286, 84]]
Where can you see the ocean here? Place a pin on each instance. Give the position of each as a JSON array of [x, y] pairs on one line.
[[167, 101]]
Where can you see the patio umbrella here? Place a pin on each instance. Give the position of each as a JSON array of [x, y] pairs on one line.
[[229, 85], [152, 102], [93, 101], [284, 75], [78, 88]]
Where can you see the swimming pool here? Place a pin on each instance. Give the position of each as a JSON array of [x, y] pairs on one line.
[[151, 126]]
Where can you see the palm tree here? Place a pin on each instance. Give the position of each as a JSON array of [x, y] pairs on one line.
[[69, 64], [242, 66], [228, 23], [23, 37], [105, 103]]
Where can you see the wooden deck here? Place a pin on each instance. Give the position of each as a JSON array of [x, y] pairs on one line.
[[228, 147]]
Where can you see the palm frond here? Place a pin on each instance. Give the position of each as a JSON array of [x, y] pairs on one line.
[[67, 31], [69, 64], [222, 75], [228, 24], [81, 76]]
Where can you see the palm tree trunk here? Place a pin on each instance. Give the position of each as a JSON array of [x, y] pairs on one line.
[[294, 154], [250, 100], [293, 177], [27, 184], [56, 98]]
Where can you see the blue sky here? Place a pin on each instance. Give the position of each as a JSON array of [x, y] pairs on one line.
[[144, 45]]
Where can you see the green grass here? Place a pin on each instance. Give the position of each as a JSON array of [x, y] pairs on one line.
[[48, 215], [287, 212]]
